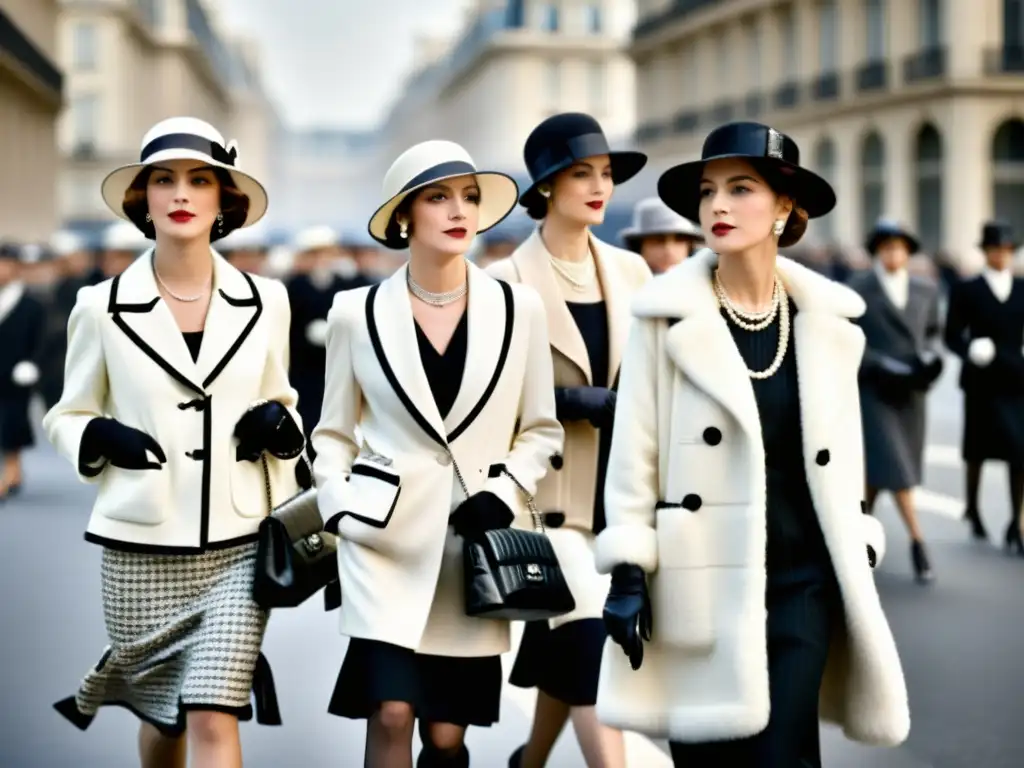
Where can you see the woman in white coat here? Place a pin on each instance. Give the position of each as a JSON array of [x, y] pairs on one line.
[[736, 537], [586, 286], [175, 387], [438, 394]]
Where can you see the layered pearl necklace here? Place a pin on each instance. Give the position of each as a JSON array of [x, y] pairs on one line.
[[578, 274], [435, 299], [758, 321]]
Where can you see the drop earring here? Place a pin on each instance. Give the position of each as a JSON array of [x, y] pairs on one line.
[[220, 223], [779, 227], [149, 217], [403, 229], [544, 191]]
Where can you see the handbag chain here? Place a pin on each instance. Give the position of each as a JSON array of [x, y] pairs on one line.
[[538, 519], [266, 477]]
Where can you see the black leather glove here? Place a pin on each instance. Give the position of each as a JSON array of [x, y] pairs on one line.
[[268, 427], [481, 512], [121, 445], [627, 612], [593, 404], [927, 371]]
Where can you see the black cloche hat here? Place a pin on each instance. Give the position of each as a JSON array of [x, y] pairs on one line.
[[996, 234], [564, 139], [885, 229], [679, 186]]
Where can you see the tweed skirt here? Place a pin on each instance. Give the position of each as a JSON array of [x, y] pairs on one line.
[[184, 634]]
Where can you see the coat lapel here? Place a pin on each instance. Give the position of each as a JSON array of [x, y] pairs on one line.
[[617, 290], [532, 261], [486, 322], [393, 334], [897, 316], [235, 308]]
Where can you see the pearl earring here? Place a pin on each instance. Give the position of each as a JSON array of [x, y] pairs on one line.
[[220, 222], [780, 227], [544, 191], [403, 229]]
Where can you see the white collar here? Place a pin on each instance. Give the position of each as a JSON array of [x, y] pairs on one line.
[[10, 295]]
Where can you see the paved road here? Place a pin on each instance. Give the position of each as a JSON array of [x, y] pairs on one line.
[[960, 641]]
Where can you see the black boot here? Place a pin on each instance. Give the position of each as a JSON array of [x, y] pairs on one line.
[[973, 518], [919, 557], [516, 759], [430, 757], [1012, 541]]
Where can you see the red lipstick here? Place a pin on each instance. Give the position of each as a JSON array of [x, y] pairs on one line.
[[721, 230], [457, 232], [597, 205], [182, 217]]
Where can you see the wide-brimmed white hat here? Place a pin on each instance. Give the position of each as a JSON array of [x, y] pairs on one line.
[[653, 217], [314, 238], [185, 138], [432, 162]]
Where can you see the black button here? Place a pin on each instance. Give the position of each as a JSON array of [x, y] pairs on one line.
[[692, 502], [823, 457], [712, 435], [199, 404], [197, 455], [556, 461], [863, 507], [554, 519], [872, 556]]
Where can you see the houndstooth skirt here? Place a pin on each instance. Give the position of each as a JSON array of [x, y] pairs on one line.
[[185, 634]]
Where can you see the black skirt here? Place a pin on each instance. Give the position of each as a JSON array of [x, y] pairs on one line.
[[441, 689], [564, 663], [15, 424], [993, 427]]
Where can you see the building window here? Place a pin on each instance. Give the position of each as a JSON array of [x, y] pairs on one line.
[[930, 23], [825, 164], [724, 58], [753, 56], [515, 14], [84, 47], [85, 120], [872, 178], [152, 12], [928, 157], [553, 80], [790, 45], [874, 29], [596, 85], [1008, 173], [593, 17], [548, 17], [827, 36]]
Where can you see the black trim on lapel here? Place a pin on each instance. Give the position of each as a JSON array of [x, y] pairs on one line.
[[116, 309], [389, 374], [253, 301], [204, 504]]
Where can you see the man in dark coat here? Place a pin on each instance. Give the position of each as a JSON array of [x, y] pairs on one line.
[[22, 325], [901, 326], [985, 328]]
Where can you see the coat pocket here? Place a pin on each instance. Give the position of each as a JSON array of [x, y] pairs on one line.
[[682, 589], [140, 496], [371, 498], [248, 488]]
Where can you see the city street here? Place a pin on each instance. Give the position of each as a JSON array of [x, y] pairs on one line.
[[960, 641]]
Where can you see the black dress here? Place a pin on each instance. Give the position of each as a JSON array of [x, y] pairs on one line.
[[565, 663], [802, 595], [22, 331], [993, 395], [462, 690]]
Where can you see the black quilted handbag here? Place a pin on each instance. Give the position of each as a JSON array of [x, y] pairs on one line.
[[295, 556], [514, 574]]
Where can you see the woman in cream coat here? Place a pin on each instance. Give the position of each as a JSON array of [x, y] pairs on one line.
[[176, 386], [445, 376], [586, 286], [735, 483]]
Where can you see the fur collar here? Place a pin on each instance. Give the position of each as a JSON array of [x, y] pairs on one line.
[[686, 290]]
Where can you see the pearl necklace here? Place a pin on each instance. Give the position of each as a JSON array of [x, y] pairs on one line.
[[435, 299], [578, 274], [176, 297], [757, 321]]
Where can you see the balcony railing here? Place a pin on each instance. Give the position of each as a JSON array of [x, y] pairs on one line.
[[825, 87], [1009, 59], [677, 10], [926, 64], [753, 105], [686, 121], [787, 95], [873, 76], [14, 42]]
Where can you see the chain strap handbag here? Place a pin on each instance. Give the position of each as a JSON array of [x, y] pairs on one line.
[[295, 556], [513, 574]]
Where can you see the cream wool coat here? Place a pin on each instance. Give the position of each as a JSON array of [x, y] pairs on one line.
[[571, 484], [127, 360], [402, 583], [705, 673]]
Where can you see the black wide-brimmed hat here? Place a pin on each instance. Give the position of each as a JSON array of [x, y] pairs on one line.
[[886, 229], [997, 234], [679, 186], [565, 139]]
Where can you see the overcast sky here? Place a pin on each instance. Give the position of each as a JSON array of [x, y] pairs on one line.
[[336, 62]]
